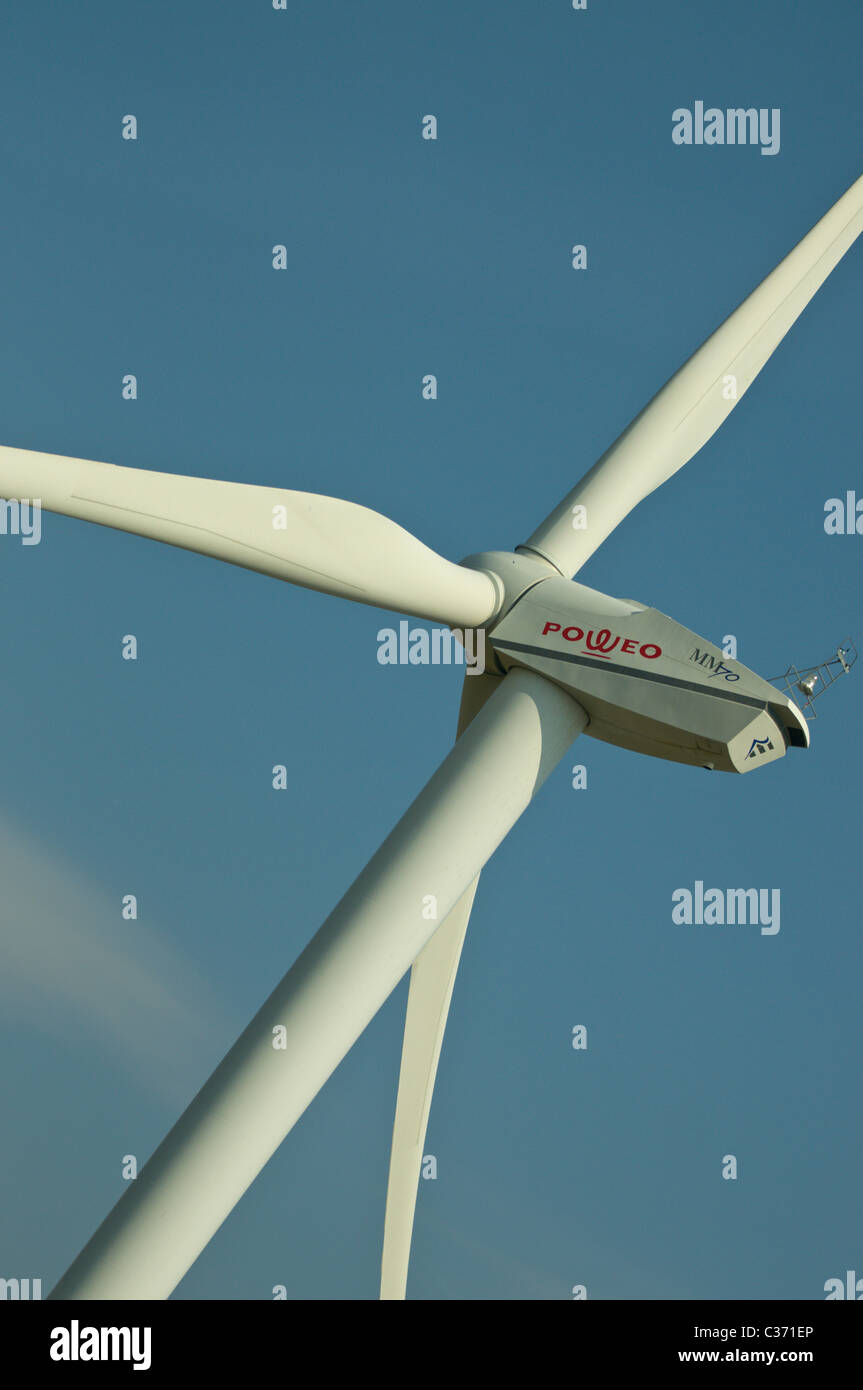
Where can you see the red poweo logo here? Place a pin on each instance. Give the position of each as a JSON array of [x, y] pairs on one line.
[[603, 642]]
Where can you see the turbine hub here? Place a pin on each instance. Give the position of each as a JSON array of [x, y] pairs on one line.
[[513, 575]]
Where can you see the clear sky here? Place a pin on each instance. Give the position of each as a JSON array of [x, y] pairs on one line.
[[406, 257]]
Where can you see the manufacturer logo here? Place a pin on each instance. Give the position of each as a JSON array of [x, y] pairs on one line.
[[714, 664], [604, 642], [759, 745]]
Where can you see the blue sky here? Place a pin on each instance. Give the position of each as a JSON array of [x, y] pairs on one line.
[[406, 256]]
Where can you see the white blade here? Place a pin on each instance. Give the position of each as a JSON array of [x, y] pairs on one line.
[[257, 1093], [694, 403], [432, 980], [320, 542]]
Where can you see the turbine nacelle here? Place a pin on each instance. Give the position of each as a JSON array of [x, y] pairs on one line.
[[648, 683]]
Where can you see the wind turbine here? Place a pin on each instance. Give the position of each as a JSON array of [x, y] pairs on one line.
[[567, 660]]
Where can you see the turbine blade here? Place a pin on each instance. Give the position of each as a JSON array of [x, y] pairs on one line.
[[699, 397], [314, 1016], [432, 979], [319, 542]]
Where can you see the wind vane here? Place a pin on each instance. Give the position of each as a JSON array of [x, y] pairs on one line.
[[812, 681]]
